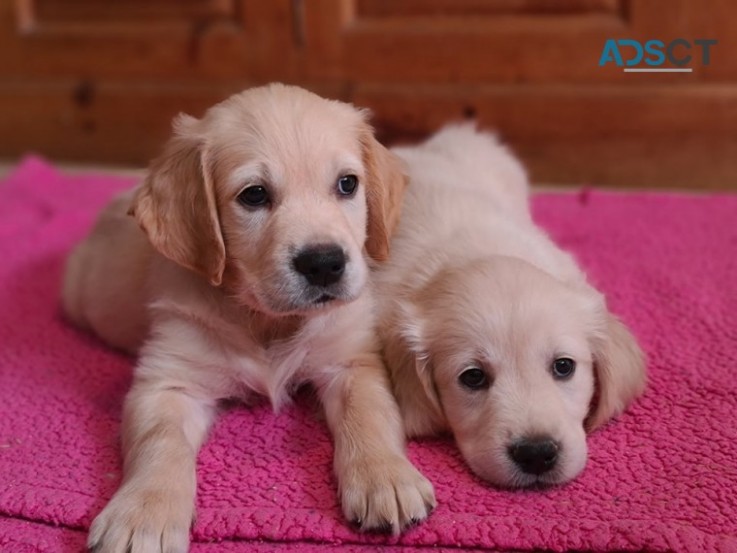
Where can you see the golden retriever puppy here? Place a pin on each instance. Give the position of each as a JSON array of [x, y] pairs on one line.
[[491, 332], [250, 276]]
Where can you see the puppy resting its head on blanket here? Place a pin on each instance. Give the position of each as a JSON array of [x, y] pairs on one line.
[[490, 330]]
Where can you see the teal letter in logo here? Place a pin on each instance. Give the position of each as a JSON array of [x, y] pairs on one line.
[[610, 53], [637, 46], [655, 47]]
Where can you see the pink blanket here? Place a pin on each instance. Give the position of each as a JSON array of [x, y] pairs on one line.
[[661, 478]]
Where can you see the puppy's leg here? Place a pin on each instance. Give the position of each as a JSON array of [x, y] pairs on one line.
[[379, 488], [163, 428]]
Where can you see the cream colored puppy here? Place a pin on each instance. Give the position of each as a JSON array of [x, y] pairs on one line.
[[249, 277], [490, 330]]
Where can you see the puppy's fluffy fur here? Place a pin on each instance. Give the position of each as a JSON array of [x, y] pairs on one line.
[[473, 284], [209, 296]]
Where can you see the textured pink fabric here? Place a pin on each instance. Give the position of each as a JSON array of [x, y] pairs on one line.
[[662, 478]]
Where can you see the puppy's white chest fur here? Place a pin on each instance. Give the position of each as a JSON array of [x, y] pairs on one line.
[[229, 351], [312, 351], [273, 371]]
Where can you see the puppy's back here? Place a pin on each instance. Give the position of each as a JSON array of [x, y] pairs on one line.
[[465, 190], [104, 287], [477, 165], [468, 198]]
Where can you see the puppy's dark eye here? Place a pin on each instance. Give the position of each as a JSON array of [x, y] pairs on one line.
[[563, 368], [474, 378], [254, 196], [347, 185]]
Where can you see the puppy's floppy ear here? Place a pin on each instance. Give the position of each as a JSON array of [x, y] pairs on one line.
[[619, 366], [385, 184], [175, 205], [411, 333]]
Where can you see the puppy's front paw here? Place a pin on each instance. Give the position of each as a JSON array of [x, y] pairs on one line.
[[385, 495], [143, 521]]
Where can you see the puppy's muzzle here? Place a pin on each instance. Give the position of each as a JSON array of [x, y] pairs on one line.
[[320, 265], [534, 455]]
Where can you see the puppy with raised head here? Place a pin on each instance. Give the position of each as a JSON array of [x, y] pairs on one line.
[[248, 275], [491, 331]]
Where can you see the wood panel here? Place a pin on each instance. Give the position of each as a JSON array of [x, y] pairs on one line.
[[100, 81], [698, 154], [113, 122], [512, 42], [553, 112], [653, 136], [692, 161], [468, 8], [229, 41], [93, 12]]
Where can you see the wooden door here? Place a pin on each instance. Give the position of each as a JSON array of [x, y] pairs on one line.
[[530, 68], [100, 80]]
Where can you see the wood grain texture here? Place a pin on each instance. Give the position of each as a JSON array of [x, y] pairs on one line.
[[86, 80], [92, 11], [113, 122], [404, 8]]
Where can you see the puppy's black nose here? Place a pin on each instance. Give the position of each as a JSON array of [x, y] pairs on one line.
[[534, 455], [320, 265]]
